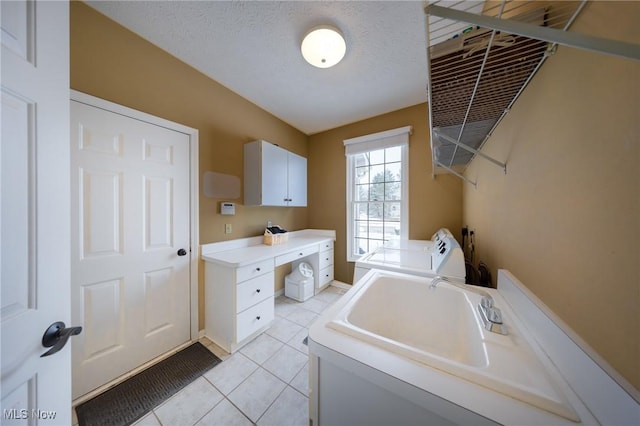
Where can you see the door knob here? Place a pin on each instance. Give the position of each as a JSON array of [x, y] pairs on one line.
[[182, 252], [56, 336]]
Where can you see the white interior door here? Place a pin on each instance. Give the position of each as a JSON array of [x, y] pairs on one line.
[[34, 218], [130, 218]]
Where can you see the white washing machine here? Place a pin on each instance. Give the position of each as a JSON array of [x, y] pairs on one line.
[[441, 255]]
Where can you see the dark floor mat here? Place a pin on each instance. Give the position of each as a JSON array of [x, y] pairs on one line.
[[136, 396]]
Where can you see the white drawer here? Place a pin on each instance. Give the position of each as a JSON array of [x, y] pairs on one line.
[[326, 259], [254, 318], [325, 276], [298, 254], [254, 291], [255, 269], [327, 245]]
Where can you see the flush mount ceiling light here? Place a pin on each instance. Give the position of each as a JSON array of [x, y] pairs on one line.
[[323, 46]]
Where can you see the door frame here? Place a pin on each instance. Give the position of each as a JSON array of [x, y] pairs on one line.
[[194, 191]]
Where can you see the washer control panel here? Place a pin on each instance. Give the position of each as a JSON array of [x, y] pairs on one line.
[[447, 257]]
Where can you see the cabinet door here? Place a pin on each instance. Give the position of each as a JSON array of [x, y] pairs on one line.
[[297, 180], [274, 175]]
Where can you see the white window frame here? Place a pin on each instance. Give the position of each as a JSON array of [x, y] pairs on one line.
[[373, 142]]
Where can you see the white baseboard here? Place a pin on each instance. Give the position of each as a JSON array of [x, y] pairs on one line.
[[341, 285]]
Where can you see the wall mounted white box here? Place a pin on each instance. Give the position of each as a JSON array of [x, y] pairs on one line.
[[227, 208]]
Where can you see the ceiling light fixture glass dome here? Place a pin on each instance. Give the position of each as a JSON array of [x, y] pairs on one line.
[[323, 46]]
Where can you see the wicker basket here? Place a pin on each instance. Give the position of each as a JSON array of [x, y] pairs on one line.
[[275, 235], [273, 239]]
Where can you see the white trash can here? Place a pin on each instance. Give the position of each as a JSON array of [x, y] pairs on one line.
[[298, 285]]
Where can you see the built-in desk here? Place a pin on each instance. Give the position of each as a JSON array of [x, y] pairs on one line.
[[239, 281]]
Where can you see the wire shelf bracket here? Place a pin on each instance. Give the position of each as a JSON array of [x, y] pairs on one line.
[[460, 175], [470, 149]]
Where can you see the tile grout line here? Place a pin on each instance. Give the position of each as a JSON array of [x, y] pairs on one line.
[[224, 397], [306, 327]]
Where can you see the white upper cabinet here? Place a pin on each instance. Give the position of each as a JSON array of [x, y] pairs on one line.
[[297, 180], [268, 169], [274, 176]]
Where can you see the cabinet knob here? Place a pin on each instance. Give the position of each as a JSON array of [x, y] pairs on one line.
[[258, 269], [258, 291], [300, 254], [258, 317]]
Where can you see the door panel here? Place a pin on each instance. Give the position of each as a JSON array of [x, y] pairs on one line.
[[158, 300], [158, 213], [104, 312], [101, 213], [34, 216], [18, 200], [130, 181]]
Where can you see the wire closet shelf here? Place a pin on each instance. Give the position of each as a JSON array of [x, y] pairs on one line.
[[476, 71]]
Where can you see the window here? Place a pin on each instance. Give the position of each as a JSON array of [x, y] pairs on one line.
[[377, 188]]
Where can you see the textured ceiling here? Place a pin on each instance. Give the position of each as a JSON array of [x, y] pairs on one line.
[[253, 48]]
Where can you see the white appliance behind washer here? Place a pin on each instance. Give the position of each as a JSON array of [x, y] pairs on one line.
[[441, 255]]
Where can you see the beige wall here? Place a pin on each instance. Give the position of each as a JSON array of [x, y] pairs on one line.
[[566, 217], [433, 203], [110, 62], [571, 144]]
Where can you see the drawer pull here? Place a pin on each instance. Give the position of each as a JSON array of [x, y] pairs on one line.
[[258, 290], [258, 317]]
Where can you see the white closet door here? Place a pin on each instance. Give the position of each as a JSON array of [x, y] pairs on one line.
[[130, 221]]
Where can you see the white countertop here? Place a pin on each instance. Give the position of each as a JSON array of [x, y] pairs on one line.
[[245, 251]]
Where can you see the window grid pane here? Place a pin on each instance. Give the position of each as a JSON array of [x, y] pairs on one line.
[[377, 198], [392, 172], [377, 157], [361, 193], [393, 154]]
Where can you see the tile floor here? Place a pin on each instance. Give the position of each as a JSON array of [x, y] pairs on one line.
[[264, 383]]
